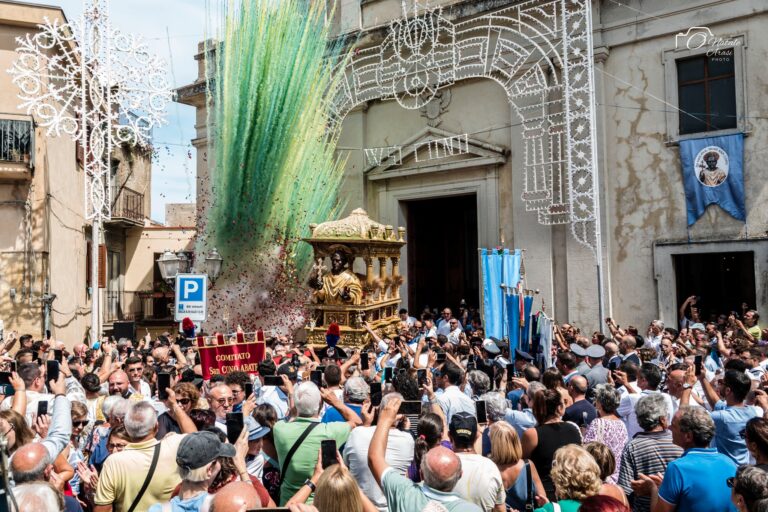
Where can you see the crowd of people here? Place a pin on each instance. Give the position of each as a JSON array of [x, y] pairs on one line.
[[432, 416]]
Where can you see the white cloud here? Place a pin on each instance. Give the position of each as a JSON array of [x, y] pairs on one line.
[[173, 173]]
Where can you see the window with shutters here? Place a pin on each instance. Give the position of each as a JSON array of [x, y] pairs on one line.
[[102, 266]]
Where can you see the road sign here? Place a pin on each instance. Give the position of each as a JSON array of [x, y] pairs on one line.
[[192, 297]]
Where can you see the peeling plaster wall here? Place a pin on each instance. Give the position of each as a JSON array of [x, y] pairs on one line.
[[642, 176]]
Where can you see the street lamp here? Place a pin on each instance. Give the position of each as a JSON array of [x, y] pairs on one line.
[[171, 264], [213, 264]]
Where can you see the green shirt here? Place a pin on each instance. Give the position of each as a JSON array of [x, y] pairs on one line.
[[565, 506], [286, 433], [405, 496]]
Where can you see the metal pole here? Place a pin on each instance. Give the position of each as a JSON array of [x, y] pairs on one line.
[[95, 293]]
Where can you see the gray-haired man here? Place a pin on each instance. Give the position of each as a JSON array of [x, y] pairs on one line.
[[650, 451]]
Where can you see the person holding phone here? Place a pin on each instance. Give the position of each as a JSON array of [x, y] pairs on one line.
[[302, 436], [356, 392], [59, 427], [33, 376], [399, 453], [277, 386], [236, 382], [480, 481], [441, 470]]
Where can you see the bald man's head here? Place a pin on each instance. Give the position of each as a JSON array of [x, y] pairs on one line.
[[29, 463], [232, 497], [441, 469], [578, 385]]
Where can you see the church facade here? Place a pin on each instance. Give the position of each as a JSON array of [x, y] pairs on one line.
[[491, 157]]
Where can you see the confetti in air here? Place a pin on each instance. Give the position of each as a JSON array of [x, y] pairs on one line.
[[275, 169]]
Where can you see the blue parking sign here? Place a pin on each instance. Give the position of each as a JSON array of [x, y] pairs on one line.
[[191, 297]]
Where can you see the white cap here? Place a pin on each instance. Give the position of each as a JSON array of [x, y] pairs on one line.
[[490, 346]]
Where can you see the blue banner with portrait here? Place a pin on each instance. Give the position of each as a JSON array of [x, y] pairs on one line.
[[713, 173]]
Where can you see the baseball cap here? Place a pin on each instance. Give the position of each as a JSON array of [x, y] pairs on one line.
[[490, 347], [288, 370], [698, 326], [256, 431], [463, 425], [201, 448]]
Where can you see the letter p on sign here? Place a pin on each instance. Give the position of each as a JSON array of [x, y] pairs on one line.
[[190, 287]]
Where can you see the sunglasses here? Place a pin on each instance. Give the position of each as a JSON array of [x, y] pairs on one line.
[[116, 446], [184, 401], [80, 423], [224, 401]]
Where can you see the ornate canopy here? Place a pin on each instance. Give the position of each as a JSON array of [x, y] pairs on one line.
[[357, 237]]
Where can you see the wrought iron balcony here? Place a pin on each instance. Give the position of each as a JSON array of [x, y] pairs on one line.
[[128, 207], [16, 149]]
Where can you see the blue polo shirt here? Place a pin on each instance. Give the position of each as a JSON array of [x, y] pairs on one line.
[[332, 414], [696, 482], [729, 422]]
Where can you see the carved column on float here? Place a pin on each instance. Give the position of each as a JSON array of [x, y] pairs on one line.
[[383, 277], [396, 280]]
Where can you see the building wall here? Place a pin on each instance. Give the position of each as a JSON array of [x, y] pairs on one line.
[[141, 246], [645, 201], [180, 214], [42, 249]]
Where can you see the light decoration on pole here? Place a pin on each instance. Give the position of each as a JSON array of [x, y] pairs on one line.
[[100, 86]]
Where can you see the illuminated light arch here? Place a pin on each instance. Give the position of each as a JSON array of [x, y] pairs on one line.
[[540, 52]]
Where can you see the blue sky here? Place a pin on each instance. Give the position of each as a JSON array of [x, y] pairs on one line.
[[173, 172]]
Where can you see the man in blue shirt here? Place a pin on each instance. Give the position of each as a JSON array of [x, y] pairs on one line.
[[729, 413], [356, 391], [696, 482]]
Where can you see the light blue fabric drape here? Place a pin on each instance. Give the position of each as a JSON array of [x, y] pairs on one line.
[[492, 306], [513, 314], [498, 267], [526, 330]]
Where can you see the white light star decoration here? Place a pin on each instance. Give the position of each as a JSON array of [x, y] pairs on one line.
[[95, 84]]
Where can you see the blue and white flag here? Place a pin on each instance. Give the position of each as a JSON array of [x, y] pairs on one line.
[[713, 172], [498, 266]]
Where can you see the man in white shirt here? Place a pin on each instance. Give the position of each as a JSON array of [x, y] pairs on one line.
[[455, 335], [443, 327], [399, 454], [452, 399], [648, 382], [138, 387], [480, 481], [655, 331], [34, 379], [404, 317]]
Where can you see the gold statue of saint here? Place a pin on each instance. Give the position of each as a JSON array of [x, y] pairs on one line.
[[340, 286]]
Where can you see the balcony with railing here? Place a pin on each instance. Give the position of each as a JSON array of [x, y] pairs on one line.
[[128, 208], [146, 307], [16, 149]]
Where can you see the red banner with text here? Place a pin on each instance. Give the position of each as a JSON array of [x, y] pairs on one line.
[[242, 353]]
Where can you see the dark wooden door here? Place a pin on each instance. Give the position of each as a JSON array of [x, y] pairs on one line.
[[442, 253]]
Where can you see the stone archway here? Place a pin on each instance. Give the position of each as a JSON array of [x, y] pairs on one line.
[[540, 52]]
